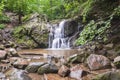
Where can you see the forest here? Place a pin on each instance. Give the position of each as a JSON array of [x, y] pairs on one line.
[[59, 39]]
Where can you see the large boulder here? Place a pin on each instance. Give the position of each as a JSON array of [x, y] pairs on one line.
[[111, 75], [48, 68], [97, 62], [64, 71], [70, 28], [34, 66], [3, 54]]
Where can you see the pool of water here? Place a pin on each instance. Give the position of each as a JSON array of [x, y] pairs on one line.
[[53, 52]]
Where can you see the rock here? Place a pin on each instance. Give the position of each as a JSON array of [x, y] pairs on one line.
[[117, 62], [2, 47], [3, 54], [19, 75], [97, 62], [109, 46], [21, 63], [5, 61], [111, 75], [76, 58], [64, 71], [13, 52], [34, 66], [4, 67], [48, 68], [2, 76], [77, 72], [70, 28]]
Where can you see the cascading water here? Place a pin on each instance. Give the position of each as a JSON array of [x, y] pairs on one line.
[[63, 35], [57, 38]]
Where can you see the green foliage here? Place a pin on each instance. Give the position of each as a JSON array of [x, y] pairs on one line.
[[92, 31], [2, 26], [1, 7], [4, 19]]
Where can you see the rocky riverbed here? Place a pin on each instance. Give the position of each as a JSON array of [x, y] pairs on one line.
[[93, 61]]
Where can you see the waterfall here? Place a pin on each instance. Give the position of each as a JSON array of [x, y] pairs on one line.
[[57, 38], [61, 35]]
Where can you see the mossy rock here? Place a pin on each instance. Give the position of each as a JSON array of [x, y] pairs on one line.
[[48, 68]]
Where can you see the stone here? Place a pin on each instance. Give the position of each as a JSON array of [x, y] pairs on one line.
[[64, 71], [21, 63], [2, 75], [110, 75], [96, 62], [19, 75], [13, 52], [3, 54], [76, 58], [48, 68], [2, 47], [109, 46], [77, 72], [34, 66], [4, 67], [117, 62]]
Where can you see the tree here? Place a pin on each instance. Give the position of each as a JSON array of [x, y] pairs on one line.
[[21, 7]]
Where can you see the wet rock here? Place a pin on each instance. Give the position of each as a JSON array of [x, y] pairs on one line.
[[3, 54], [21, 63], [19, 75], [34, 66], [77, 72], [117, 62], [64, 71], [70, 28], [97, 62], [48, 68], [111, 75]]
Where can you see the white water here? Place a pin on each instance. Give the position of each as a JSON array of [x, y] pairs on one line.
[[59, 40]]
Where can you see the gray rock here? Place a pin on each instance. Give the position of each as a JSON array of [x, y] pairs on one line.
[[2, 76], [111, 75], [48, 68], [97, 62], [64, 71], [77, 73], [34, 66]]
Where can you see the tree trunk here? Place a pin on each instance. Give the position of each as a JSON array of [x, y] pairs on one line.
[[20, 18]]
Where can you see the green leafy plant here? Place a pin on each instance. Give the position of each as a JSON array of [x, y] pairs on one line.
[[2, 26]]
